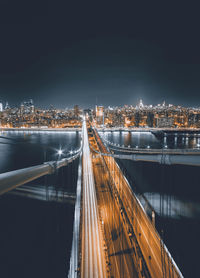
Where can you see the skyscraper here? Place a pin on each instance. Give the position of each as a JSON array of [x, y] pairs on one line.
[[100, 114], [141, 105], [76, 111], [7, 106]]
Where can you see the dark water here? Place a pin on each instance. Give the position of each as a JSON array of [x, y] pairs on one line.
[[173, 191], [36, 236]]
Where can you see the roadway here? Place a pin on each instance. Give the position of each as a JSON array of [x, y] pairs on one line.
[[119, 248], [93, 263], [155, 253]]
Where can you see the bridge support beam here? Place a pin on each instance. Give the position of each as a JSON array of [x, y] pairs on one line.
[[13, 179], [192, 160]]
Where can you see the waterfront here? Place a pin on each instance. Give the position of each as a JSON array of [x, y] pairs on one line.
[[36, 236], [173, 192]]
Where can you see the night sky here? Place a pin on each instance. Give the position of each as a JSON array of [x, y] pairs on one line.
[[97, 52]]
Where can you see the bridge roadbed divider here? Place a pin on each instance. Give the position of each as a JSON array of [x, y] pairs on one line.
[[156, 255]]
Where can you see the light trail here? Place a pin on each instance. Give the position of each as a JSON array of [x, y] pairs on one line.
[[93, 259], [119, 249]]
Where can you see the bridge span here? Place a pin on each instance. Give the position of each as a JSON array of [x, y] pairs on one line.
[[116, 239]]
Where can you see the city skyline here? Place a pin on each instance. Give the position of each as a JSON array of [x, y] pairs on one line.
[[6, 105], [163, 115]]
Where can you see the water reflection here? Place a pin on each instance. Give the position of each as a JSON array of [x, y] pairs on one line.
[[21, 149], [144, 139], [172, 207]]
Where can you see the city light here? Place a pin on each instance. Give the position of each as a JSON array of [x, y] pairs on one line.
[[60, 152]]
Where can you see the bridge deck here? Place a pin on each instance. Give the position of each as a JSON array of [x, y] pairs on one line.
[[93, 262], [156, 255], [120, 251]]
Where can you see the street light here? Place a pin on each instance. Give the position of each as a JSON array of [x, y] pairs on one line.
[[60, 152]]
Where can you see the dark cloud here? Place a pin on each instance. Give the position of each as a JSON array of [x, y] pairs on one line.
[[66, 54]]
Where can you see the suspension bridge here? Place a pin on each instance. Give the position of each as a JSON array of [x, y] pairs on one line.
[[112, 234]]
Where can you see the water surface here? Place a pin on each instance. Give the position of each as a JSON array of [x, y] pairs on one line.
[[36, 236]]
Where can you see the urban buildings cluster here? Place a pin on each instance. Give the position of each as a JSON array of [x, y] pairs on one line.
[[28, 116], [158, 116]]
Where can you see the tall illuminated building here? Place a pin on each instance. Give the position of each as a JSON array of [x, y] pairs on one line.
[[100, 115], [76, 111], [141, 105]]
